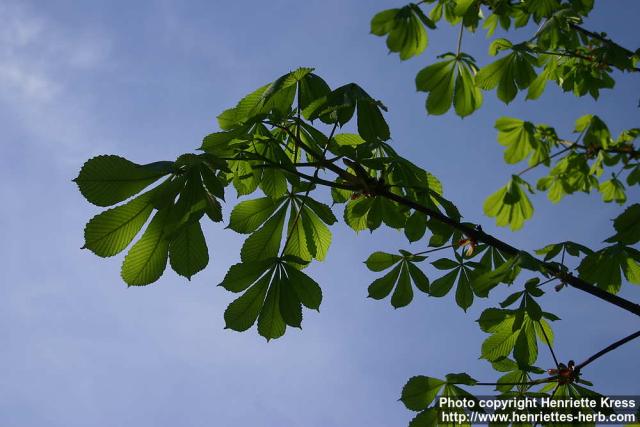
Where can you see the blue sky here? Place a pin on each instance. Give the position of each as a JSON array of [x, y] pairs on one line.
[[145, 80]]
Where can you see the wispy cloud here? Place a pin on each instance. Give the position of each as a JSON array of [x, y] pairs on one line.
[[39, 62]]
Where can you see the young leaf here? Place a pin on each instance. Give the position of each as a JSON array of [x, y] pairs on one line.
[[510, 205], [406, 34], [509, 74]]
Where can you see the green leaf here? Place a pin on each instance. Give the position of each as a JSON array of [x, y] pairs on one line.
[[371, 124], [273, 183], [415, 227], [501, 342], [146, 260], [379, 261], [242, 313], [297, 244], [613, 191], [627, 226], [241, 276], [461, 378], [464, 293], [509, 74], [428, 417], [355, 213], [270, 322], [554, 249], [526, 347], [400, 276], [107, 180], [603, 268], [419, 279], [311, 89], [348, 139], [403, 294], [439, 81], [307, 290], [317, 235], [483, 283], [265, 242], [289, 304], [188, 253], [445, 264], [420, 391], [467, 97], [110, 232], [440, 287], [510, 205], [518, 136], [381, 288], [323, 211], [406, 34]]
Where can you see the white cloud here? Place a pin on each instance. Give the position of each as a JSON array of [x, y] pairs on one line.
[[40, 59]]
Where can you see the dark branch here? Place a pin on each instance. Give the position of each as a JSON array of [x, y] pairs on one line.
[[608, 349], [477, 234]]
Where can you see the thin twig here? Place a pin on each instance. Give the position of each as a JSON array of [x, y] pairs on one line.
[[546, 338], [608, 349], [434, 250], [534, 382], [460, 40]]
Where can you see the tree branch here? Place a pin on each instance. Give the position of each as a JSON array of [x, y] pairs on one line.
[[608, 349], [476, 234]]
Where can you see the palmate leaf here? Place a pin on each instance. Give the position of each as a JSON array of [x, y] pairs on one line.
[[400, 277], [275, 97], [613, 190], [506, 272], [107, 180], [514, 331], [173, 228], [420, 391], [372, 212], [571, 248], [274, 292], [604, 268], [509, 74], [510, 205], [519, 138], [569, 175], [460, 274], [450, 82], [340, 105], [405, 30], [627, 226]]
